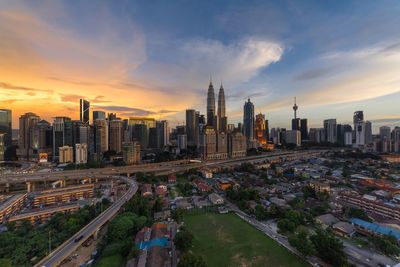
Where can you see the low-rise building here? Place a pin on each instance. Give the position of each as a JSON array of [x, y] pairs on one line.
[[215, 199], [147, 190], [344, 229], [10, 205], [320, 187], [44, 214], [63, 195]]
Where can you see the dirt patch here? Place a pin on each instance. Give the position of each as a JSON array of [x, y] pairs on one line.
[[223, 236], [240, 261]]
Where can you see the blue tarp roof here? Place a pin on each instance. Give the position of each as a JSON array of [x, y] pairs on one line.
[[383, 230], [162, 242]]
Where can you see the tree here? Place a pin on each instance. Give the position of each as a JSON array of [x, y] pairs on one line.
[[5, 262], [183, 240], [191, 260], [329, 248], [301, 242]]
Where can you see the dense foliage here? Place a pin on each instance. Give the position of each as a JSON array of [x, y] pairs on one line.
[[26, 244]]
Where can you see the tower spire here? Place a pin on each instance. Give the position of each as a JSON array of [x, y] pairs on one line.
[[295, 108], [210, 80]]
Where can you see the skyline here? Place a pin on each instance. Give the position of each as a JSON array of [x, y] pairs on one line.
[[336, 61]]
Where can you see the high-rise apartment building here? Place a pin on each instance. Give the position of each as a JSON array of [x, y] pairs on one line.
[[182, 142], [341, 131], [330, 131], [293, 137], [248, 120], [116, 135], [237, 144], [131, 152], [6, 126], [81, 153], [317, 135], [208, 144], [396, 139], [162, 134], [65, 154], [100, 136], [26, 123], [84, 107]]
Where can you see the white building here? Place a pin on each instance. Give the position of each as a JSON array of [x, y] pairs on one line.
[[348, 138], [182, 142], [81, 153], [293, 137]]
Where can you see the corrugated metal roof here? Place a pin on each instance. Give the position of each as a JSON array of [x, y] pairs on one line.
[[383, 230]]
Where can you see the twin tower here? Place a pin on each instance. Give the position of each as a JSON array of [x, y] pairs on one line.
[[218, 121]]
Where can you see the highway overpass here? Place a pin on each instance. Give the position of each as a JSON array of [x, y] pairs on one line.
[[69, 246]]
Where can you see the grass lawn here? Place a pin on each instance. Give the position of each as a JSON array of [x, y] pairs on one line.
[[110, 261], [227, 240]]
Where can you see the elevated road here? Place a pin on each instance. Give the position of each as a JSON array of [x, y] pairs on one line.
[[69, 246], [170, 166]]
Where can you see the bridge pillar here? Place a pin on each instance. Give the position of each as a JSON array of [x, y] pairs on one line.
[[90, 180], [95, 234], [7, 187], [30, 186], [128, 174], [63, 183]]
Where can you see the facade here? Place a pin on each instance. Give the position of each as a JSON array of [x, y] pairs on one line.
[[296, 124], [81, 153], [211, 106], [65, 154], [84, 107], [45, 214], [131, 152], [6, 126], [363, 132], [237, 145], [248, 120], [293, 137], [222, 145], [26, 123], [396, 140], [116, 135], [330, 131]]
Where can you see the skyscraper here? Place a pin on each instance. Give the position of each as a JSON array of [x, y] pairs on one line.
[[60, 134], [84, 111], [295, 120], [358, 117], [330, 131], [222, 119], [99, 115], [116, 135], [162, 134], [6, 126], [191, 127], [248, 120], [211, 106], [26, 123], [304, 129], [260, 129], [101, 136]]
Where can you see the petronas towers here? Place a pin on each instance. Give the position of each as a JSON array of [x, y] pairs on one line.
[[218, 121]]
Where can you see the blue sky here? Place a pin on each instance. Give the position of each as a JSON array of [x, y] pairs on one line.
[[155, 57]]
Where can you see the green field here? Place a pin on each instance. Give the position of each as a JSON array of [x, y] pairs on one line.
[[227, 240]]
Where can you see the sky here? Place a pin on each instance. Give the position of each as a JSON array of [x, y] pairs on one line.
[[155, 58]]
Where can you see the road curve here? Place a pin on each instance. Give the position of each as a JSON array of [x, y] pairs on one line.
[[69, 246]]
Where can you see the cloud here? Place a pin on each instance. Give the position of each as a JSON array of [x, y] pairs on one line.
[[75, 98], [12, 87]]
